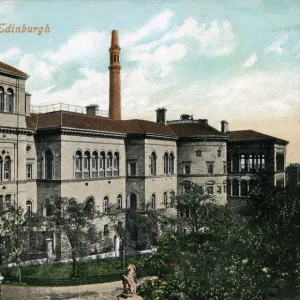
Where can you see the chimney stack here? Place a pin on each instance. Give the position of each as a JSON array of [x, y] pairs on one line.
[[161, 115], [92, 109], [114, 78], [224, 126]]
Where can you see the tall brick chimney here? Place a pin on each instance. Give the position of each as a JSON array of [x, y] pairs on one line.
[[161, 115], [114, 78]]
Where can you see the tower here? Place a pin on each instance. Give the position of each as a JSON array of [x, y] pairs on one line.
[[114, 78]]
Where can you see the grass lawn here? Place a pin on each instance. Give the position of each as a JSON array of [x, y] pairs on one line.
[[96, 271]]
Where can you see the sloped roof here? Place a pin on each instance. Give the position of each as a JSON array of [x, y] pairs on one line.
[[251, 135], [11, 69], [143, 126], [196, 129]]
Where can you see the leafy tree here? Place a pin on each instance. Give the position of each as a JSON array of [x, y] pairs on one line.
[[74, 219]]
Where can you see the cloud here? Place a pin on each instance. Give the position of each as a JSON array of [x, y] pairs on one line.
[[83, 45], [250, 61], [215, 38], [158, 23], [11, 54], [6, 8], [277, 46]]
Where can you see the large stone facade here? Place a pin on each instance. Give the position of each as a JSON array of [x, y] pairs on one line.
[[129, 163]]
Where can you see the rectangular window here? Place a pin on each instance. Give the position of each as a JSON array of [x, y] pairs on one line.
[[224, 167], [131, 168], [210, 168], [7, 201], [187, 169], [219, 189], [106, 230], [29, 171]]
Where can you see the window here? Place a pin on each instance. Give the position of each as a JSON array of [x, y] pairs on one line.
[[49, 208], [187, 169], [243, 163], [9, 100], [94, 164], [219, 189], [131, 168], [86, 164], [1, 164], [133, 201], [229, 162], [172, 198], [106, 230], [280, 183], [78, 165], [263, 162], [210, 168], [105, 204], [116, 164], [171, 163], [210, 189], [28, 171], [244, 188], [1, 98], [28, 207], [251, 163], [7, 201], [153, 164], [102, 164], [219, 153], [119, 202], [165, 200], [90, 206], [109, 164], [224, 167], [153, 201], [7, 168], [166, 163], [228, 188], [235, 188], [48, 164]]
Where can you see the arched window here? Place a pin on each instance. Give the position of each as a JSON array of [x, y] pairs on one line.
[[1, 165], [78, 164], [153, 164], [119, 202], [235, 188], [102, 164], [243, 163], [48, 166], [133, 201], [9, 100], [86, 164], [171, 163], [7, 201], [28, 207], [165, 199], [94, 164], [90, 206], [166, 163], [49, 208], [116, 164], [105, 204], [244, 188], [109, 164], [1, 98], [251, 162], [172, 198], [263, 162], [153, 201], [210, 168], [7, 168]]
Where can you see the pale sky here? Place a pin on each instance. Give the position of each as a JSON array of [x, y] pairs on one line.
[[214, 59]]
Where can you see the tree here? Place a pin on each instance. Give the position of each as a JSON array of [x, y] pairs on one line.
[[74, 219]]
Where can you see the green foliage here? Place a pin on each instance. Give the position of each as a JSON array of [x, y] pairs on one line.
[[209, 253]]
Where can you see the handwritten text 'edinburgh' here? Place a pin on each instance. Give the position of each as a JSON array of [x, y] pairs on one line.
[[11, 28]]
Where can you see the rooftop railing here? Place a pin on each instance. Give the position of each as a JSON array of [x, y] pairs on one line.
[[65, 107]]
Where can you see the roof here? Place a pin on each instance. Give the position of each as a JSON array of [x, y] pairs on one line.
[[11, 69], [251, 135], [196, 130], [64, 119], [143, 126]]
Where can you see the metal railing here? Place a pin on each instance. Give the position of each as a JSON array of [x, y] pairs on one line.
[[66, 107]]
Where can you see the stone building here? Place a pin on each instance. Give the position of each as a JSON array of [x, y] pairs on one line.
[[68, 152]]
